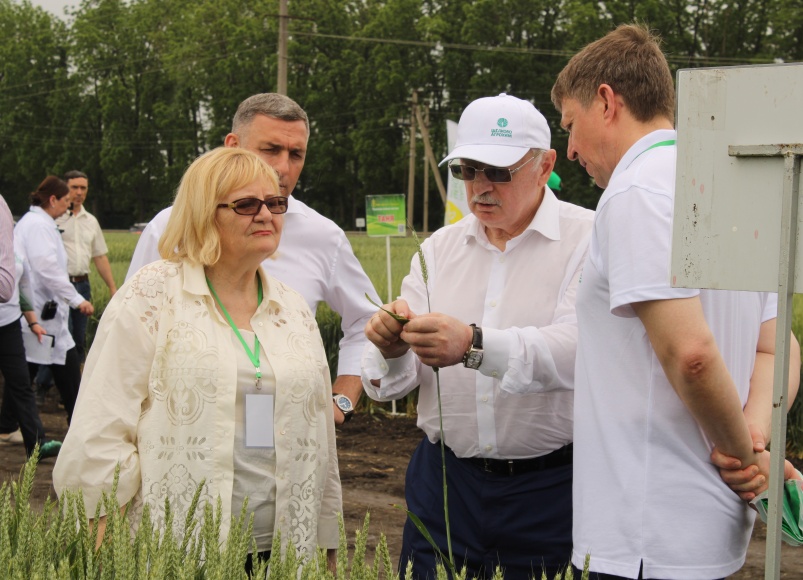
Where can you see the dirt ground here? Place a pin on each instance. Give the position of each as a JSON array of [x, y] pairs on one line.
[[373, 452]]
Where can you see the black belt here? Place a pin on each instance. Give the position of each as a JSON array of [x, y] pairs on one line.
[[81, 278], [558, 458]]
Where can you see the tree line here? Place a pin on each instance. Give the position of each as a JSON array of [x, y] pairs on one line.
[[130, 91]]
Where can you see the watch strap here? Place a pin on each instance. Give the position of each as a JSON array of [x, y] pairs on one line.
[[474, 352]]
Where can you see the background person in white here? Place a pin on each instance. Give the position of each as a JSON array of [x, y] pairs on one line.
[[315, 258], [663, 374], [40, 241], [7, 266], [83, 240], [512, 268]]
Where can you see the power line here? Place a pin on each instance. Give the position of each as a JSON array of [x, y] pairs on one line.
[[437, 45]]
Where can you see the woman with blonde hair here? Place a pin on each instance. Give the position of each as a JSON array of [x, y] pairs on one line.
[[206, 368]]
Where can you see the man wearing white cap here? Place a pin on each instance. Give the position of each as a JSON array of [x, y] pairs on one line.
[[494, 311]]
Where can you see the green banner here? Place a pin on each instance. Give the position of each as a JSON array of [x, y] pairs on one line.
[[385, 215]]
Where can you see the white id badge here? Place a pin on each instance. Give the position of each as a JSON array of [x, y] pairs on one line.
[[258, 420]]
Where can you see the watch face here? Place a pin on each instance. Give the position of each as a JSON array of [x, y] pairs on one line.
[[474, 359], [344, 403]]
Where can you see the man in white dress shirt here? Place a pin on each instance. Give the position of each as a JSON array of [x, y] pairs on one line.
[[315, 257], [511, 269]]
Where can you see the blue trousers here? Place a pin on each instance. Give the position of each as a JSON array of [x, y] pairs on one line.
[[78, 321], [522, 523]]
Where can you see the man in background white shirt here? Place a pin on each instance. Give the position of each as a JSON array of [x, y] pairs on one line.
[[511, 268], [314, 257], [84, 242]]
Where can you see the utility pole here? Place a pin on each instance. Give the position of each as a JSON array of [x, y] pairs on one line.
[[281, 82], [411, 175], [433, 163]]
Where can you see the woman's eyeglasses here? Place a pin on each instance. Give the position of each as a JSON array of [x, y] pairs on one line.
[[253, 205], [492, 174]]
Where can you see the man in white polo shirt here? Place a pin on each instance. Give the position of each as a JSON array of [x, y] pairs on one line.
[[314, 257], [663, 374]]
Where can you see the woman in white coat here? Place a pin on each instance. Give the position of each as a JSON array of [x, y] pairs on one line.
[[204, 368], [19, 406], [53, 294]]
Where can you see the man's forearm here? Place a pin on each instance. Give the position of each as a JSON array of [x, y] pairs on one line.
[[105, 271], [694, 367], [348, 385]]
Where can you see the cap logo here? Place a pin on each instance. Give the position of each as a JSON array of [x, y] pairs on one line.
[[502, 122]]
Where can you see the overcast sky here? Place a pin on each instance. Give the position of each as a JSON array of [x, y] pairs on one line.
[[56, 6]]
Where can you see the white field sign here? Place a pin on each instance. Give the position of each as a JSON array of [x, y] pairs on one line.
[[726, 232], [736, 219]]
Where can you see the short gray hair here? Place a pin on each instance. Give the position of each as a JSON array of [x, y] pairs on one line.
[[271, 105]]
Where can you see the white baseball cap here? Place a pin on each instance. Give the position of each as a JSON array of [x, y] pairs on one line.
[[499, 131]]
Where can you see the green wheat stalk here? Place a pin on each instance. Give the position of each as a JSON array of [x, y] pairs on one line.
[[414, 518], [425, 275]]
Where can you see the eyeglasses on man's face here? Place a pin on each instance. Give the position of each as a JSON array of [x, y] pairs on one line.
[[253, 205], [493, 174]]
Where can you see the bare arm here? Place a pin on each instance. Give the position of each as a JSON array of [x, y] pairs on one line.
[[105, 271], [102, 527], [750, 481], [758, 409], [348, 385], [688, 354]]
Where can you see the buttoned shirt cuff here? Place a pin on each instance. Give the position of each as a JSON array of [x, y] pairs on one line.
[[76, 301], [348, 362], [496, 346], [394, 373]]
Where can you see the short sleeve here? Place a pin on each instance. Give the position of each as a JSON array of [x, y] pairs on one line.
[[635, 247]]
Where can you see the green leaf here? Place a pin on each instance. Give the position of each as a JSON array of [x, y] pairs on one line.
[[428, 537], [398, 318]]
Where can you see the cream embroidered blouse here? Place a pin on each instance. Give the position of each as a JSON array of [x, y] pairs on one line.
[[158, 396]]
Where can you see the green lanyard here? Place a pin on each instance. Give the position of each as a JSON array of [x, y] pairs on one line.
[[253, 355], [659, 144]]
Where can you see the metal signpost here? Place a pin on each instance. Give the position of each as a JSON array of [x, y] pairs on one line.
[[740, 141]]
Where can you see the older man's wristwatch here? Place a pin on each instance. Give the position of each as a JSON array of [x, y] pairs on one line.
[[473, 357], [344, 404]]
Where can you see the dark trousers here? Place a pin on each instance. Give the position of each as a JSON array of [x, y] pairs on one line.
[[78, 321], [67, 378], [249, 561], [522, 523], [19, 405]]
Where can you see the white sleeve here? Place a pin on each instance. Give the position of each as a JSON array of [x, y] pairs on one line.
[[50, 274], [542, 359], [147, 249], [345, 294], [401, 375], [7, 265], [114, 387], [635, 247]]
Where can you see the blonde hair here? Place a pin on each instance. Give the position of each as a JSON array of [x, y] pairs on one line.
[[191, 233]]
